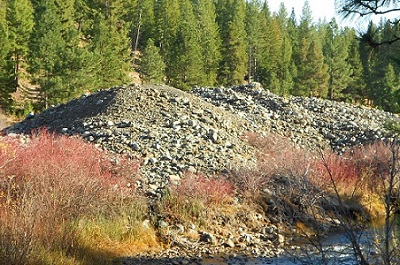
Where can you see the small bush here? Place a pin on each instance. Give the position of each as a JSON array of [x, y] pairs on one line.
[[47, 184], [205, 189], [277, 156], [191, 200], [361, 168]]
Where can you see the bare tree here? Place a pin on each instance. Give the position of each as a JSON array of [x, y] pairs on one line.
[[349, 228], [386, 183], [388, 174], [351, 9]]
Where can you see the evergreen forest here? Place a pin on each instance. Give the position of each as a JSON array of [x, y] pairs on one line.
[[54, 50]]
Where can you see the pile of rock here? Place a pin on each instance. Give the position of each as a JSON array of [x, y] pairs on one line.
[[171, 131], [309, 122], [174, 132]]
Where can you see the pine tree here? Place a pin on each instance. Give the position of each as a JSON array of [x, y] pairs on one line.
[[386, 96], [46, 44], [6, 68], [152, 65], [301, 45], [209, 39], [275, 57], [285, 73], [301, 87], [336, 55], [318, 73], [20, 24], [111, 50], [306, 24], [147, 22], [233, 63], [261, 55], [355, 90], [368, 59], [4, 41], [188, 69], [312, 77], [167, 13], [57, 63], [254, 32], [292, 32]]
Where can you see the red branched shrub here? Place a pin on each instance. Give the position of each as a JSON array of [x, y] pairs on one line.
[[250, 182], [49, 180], [343, 169], [197, 186], [277, 155], [361, 166], [50, 155]]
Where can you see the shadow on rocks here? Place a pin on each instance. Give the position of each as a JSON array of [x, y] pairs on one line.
[[68, 117]]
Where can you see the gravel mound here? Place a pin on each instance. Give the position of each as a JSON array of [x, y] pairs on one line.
[[174, 132], [309, 122]]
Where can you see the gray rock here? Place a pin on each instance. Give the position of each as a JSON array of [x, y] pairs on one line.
[[208, 238], [229, 243]]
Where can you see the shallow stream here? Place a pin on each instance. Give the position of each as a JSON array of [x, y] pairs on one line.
[[337, 250]]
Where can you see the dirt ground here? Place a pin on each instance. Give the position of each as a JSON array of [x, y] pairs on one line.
[[5, 120]]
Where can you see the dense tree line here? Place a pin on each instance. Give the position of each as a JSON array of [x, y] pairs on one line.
[[66, 47]]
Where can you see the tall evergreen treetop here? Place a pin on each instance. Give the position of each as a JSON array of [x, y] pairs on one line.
[[58, 64], [20, 24], [111, 48], [185, 68], [6, 68], [255, 29], [233, 34], [336, 55], [152, 65], [305, 20], [209, 39]]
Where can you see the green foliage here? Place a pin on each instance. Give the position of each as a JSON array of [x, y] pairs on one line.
[[111, 51], [145, 10], [187, 68], [208, 39], [152, 64], [233, 34], [336, 54], [20, 24], [16, 23], [167, 13], [258, 41], [313, 77], [66, 47], [254, 30], [393, 126], [389, 89], [5, 61], [356, 87], [57, 63]]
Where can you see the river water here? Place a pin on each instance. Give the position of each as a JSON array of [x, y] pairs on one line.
[[337, 250]]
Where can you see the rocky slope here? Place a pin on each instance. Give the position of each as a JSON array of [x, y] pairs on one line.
[[204, 130]]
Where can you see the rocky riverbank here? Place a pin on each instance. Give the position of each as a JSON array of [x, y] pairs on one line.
[[204, 131]]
